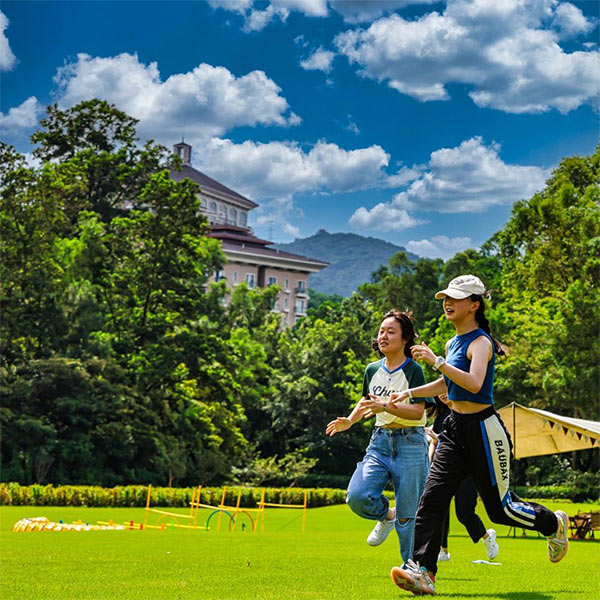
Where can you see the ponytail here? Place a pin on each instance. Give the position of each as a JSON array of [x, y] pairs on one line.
[[484, 324]]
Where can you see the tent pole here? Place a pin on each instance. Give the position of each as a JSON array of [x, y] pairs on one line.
[[515, 430]]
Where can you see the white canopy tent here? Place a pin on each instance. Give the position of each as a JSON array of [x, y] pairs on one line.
[[537, 432]]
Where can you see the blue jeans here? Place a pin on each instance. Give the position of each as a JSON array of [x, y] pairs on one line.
[[399, 455]]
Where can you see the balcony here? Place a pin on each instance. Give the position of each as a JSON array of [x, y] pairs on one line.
[[301, 291]]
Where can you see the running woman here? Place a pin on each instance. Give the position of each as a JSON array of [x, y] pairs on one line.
[[465, 499], [474, 440], [398, 448]]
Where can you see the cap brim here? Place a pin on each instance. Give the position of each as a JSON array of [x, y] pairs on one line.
[[452, 293]]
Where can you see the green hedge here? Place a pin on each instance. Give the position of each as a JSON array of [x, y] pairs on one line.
[[13, 494]]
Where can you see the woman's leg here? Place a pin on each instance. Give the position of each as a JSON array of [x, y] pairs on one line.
[[409, 467], [449, 468], [465, 502], [490, 448], [445, 531], [365, 490]]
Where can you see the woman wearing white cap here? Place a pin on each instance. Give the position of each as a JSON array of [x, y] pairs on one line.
[[474, 441]]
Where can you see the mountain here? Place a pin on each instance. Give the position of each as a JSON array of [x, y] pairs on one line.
[[352, 259]]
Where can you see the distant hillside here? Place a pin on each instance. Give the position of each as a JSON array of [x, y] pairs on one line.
[[352, 259]]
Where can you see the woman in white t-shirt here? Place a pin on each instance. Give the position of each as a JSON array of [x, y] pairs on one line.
[[398, 448]]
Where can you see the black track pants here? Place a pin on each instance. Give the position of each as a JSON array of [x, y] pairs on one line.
[[465, 503], [479, 445]]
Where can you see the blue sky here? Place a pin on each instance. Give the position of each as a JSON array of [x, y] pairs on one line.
[[416, 122]]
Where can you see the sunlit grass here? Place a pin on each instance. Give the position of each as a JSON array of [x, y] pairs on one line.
[[331, 560]]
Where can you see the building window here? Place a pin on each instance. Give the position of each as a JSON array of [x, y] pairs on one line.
[[272, 280], [301, 289], [243, 218], [212, 206], [223, 212], [286, 303], [287, 284], [250, 280], [232, 216], [235, 277], [220, 275], [299, 307]]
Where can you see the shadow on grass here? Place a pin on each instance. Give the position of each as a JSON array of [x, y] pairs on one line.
[[516, 595]]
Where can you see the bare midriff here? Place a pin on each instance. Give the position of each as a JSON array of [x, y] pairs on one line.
[[465, 407]]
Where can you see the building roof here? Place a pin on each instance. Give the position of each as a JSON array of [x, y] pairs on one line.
[[272, 256], [208, 184]]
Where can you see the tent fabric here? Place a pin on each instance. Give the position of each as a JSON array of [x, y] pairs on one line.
[[537, 432]]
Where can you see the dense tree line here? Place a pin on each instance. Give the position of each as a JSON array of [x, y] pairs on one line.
[[120, 363]]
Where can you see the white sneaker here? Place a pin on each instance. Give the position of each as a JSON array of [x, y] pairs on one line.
[[443, 556], [380, 532], [558, 544], [491, 546]]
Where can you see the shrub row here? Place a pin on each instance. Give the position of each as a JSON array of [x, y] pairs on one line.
[[13, 494]]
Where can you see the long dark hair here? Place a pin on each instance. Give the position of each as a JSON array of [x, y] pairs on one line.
[[407, 325], [484, 324]]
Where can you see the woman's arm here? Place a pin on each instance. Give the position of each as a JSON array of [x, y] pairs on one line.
[[374, 405], [343, 423], [480, 351]]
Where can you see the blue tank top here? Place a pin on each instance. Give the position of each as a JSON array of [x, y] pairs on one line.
[[457, 357]]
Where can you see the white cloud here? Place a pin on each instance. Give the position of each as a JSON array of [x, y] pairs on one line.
[[22, 117], [439, 246], [7, 58], [383, 217], [359, 11], [258, 18], [282, 169], [319, 60], [506, 52], [200, 103], [352, 126], [571, 22], [470, 177], [259, 14]]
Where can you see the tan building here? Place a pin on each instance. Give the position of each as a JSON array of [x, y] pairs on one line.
[[249, 259]]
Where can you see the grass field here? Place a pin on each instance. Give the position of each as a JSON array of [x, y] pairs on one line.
[[330, 561]]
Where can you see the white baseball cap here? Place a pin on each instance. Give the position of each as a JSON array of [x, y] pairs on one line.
[[462, 287]]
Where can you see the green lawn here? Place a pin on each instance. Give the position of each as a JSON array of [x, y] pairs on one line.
[[330, 561]]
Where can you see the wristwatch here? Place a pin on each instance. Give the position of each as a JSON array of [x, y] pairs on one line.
[[439, 361]]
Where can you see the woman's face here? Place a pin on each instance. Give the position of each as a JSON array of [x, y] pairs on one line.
[[390, 338], [457, 310]]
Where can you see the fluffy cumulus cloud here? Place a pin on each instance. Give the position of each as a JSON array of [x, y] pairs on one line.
[[383, 217], [7, 58], [570, 21], [21, 118], [319, 60], [507, 52], [282, 169], [360, 11], [201, 103], [440, 246], [259, 14], [470, 177]]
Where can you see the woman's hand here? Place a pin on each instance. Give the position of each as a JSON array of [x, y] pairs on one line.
[[371, 406], [398, 398], [445, 400], [432, 435], [340, 424], [423, 352]]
